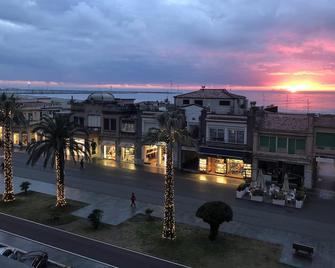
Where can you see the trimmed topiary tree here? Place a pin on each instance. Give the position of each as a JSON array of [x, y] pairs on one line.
[[25, 186], [95, 218], [215, 213]]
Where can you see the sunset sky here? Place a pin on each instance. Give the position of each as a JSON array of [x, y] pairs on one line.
[[234, 43]]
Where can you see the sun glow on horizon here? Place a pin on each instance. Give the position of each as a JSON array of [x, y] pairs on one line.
[[296, 86]]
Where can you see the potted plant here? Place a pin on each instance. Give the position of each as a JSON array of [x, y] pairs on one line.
[[256, 195], [241, 190], [299, 199], [278, 199]]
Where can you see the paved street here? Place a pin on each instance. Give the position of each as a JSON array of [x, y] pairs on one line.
[[54, 254], [101, 185], [79, 245]]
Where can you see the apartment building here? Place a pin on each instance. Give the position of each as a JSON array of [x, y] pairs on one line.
[[283, 144], [218, 119]]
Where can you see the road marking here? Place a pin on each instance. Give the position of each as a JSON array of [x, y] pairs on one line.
[[92, 239], [60, 249]]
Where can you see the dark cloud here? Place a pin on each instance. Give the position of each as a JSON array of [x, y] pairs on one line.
[[150, 41]]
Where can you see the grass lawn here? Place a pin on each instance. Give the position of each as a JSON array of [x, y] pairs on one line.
[[192, 246], [41, 208]]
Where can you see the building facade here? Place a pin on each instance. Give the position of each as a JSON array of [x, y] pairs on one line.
[[218, 120], [324, 151], [283, 144]]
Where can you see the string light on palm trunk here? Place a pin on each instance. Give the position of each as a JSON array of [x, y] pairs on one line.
[[8, 195], [61, 202], [169, 221]]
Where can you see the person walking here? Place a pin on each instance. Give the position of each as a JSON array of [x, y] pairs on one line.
[[2, 166], [132, 200], [82, 163]]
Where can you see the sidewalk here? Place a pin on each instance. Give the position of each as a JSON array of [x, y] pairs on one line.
[[278, 229]]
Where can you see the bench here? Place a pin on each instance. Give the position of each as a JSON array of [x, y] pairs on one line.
[[303, 250]]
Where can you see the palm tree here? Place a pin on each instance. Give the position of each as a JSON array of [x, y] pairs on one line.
[[171, 131], [58, 136], [10, 114]]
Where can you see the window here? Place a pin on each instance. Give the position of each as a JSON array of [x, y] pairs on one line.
[[212, 134], [128, 126], [264, 141], [186, 101], [325, 140], [224, 103], [78, 121], [231, 135], [282, 144], [113, 124], [216, 134], [240, 137], [220, 134], [272, 144], [236, 136], [106, 123], [94, 121], [300, 145], [291, 146], [198, 102]]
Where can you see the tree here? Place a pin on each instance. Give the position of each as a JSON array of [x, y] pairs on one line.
[[25, 186], [171, 131], [215, 213], [95, 218], [58, 136], [10, 114]]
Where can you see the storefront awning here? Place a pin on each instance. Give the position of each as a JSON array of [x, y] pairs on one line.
[[225, 153]]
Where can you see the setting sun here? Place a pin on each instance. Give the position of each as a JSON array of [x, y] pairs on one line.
[[296, 86]]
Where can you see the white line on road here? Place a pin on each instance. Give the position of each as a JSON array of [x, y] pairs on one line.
[[60, 249], [94, 240]]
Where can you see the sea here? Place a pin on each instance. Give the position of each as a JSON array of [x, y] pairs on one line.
[[298, 102]]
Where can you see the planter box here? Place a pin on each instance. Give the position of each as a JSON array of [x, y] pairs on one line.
[[256, 198], [240, 194], [278, 202], [299, 204]]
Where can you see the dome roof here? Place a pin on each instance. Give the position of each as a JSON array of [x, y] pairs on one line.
[[101, 96]]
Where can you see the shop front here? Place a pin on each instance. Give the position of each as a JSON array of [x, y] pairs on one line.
[[128, 153], [80, 153], [274, 171], [230, 163], [16, 138], [109, 151], [154, 155]]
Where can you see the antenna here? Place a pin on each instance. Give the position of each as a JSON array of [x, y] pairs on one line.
[[307, 106]]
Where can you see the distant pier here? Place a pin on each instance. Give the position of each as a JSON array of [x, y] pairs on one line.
[[77, 91]]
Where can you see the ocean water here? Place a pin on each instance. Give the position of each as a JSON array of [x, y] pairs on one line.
[[299, 102]]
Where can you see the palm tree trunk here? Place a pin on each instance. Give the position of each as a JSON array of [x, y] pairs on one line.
[[60, 191], [8, 165], [169, 221]]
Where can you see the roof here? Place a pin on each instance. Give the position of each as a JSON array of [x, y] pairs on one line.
[[211, 94], [101, 96]]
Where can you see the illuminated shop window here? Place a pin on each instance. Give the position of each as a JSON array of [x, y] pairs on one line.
[[202, 164]]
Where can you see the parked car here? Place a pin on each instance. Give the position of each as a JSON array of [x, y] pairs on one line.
[[36, 259], [7, 251]]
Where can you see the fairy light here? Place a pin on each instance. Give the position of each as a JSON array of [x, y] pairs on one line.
[[169, 221], [61, 202], [8, 195]]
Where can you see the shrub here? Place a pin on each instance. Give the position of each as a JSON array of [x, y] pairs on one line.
[[148, 212], [25, 186], [300, 196], [279, 195], [215, 213], [257, 192], [242, 187], [95, 218]]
